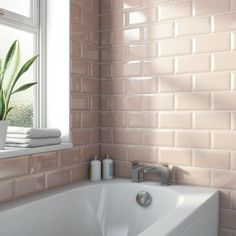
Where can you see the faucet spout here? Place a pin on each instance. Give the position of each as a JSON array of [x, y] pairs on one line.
[[137, 171], [151, 169]]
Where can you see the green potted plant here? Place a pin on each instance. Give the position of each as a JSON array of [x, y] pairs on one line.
[[8, 84]]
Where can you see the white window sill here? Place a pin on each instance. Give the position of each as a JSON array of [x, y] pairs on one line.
[[13, 152]]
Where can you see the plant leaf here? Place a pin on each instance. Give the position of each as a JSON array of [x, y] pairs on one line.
[[1, 69], [1, 64], [3, 105], [24, 87], [8, 110], [23, 69], [14, 72], [10, 55], [1, 72], [26, 66], [8, 59]]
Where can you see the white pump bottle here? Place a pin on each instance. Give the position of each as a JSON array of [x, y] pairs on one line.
[[95, 169], [107, 167]]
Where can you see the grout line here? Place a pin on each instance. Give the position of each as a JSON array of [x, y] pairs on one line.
[[211, 139], [175, 139], [193, 9], [232, 80], [158, 49], [193, 45], [212, 63], [231, 5], [175, 29], [175, 66], [211, 178], [193, 121], [194, 83], [231, 121], [193, 157], [232, 41], [212, 24], [231, 161], [157, 14], [212, 102], [141, 131]]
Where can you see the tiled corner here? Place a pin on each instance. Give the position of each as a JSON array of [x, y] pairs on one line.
[[153, 82]]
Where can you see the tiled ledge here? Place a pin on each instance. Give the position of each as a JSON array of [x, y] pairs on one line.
[[13, 152]]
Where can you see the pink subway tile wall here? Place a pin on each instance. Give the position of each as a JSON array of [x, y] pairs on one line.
[[25, 175], [22, 176], [151, 80], [85, 83], [168, 91], [85, 95]]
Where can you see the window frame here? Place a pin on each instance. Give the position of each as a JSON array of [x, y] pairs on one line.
[[46, 113], [37, 25], [21, 19]]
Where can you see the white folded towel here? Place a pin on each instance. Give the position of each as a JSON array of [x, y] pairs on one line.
[[37, 142], [31, 133]]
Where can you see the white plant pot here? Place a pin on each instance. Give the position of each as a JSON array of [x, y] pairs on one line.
[[3, 133]]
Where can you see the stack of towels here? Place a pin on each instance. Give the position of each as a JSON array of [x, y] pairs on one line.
[[32, 137]]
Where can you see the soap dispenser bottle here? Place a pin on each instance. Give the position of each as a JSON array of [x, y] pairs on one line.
[[95, 169], [107, 167]]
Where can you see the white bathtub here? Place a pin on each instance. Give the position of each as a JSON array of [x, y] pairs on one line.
[[110, 209]]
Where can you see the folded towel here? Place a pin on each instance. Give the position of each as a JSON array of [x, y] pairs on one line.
[[39, 142], [20, 132]]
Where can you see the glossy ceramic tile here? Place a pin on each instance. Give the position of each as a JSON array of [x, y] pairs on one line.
[[44, 162], [207, 7], [173, 156], [212, 82], [175, 10], [29, 185], [174, 120], [212, 120], [57, 178], [14, 167], [143, 154], [193, 26], [211, 159]]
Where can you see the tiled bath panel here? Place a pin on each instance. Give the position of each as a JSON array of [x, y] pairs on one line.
[[151, 80]]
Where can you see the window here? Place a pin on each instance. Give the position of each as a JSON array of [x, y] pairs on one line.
[[23, 7], [47, 104], [20, 20]]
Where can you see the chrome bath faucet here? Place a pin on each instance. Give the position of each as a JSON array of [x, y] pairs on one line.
[[138, 170]]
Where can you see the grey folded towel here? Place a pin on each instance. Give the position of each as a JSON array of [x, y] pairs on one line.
[[24, 143], [32, 133]]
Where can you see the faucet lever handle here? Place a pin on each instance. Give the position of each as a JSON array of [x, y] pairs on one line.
[[164, 164], [135, 163]]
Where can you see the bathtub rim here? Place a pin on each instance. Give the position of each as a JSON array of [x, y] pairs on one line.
[[72, 187], [181, 189], [188, 215]]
